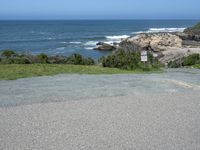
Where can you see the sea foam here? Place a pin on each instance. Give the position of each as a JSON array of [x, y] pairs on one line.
[[166, 29], [157, 30], [63, 42], [90, 45], [75, 42], [117, 37], [89, 48]]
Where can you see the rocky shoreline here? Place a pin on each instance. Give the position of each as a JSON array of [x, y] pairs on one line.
[[166, 46]]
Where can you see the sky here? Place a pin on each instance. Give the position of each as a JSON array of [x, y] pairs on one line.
[[99, 9]]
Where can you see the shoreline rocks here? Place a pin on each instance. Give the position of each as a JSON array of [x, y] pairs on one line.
[[191, 41], [151, 41], [105, 47], [193, 32], [166, 46], [176, 54]]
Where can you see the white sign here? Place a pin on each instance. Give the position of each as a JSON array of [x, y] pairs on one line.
[[143, 53], [144, 56]]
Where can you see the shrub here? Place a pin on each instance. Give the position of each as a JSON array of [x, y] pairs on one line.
[[186, 61], [56, 60], [192, 60], [16, 60], [10, 57], [121, 59], [7, 61], [43, 58], [77, 59], [21, 60], [8, 53], [153, 61], [128, 60], [33, 59], [174, 64]]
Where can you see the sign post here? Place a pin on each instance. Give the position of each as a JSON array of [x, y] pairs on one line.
[[144, 56]]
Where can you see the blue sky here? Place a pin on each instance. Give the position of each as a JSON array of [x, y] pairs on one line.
[[99, 9]]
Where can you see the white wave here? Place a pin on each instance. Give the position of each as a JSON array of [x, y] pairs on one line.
[[60, 48], [109, 42], [91, 43], [139, 32], [51, 38], [43, 33], [112, 42], [166, 29], [63, 42], [75, 42], [89, 48], [157, 30], [117, 37]]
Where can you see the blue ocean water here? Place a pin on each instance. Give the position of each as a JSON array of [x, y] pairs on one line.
[[78, 36]]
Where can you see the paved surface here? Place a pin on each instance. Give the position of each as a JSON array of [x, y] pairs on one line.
[[125, 112]]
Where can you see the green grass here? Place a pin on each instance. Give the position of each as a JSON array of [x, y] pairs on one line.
[[197, 66], [16, 71]]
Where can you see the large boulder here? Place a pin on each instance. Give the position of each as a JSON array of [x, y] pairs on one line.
[[105, 47], [152, 41]]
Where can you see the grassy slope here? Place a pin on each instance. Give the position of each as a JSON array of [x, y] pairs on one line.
[[193, 30], [14, 71], [197, 66]]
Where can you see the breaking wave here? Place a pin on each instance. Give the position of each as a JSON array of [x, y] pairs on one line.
[[117, 37], [75, 42], [157, 30], [90, 44]]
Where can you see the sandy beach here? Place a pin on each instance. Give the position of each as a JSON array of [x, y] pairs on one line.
[[141, 111]]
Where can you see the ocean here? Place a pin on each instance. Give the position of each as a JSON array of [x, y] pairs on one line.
[[77, 36]]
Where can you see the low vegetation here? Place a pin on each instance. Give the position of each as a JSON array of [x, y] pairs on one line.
[[197, 66], [14, 66], [16, 71], [191, 60], [11, 57], [129, 60]]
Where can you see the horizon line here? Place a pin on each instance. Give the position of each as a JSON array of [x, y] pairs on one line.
[[89, 19]]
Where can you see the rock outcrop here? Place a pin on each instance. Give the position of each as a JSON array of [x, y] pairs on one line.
[[188, 39], [167, 46], [193, 32], [190, 36], [176, 54], [152, 41], [105, 47]]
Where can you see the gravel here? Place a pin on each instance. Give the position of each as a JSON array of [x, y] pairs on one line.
[[125, 112]]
